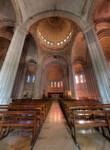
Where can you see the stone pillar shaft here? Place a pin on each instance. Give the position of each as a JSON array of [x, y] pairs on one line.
[[22, 81], [37, 87], [99, 64], [10, 65], [94, 83], [88, 82], [71, 82]]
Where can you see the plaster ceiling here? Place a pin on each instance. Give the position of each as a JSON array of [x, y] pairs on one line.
[[30, 8], [7, 12]]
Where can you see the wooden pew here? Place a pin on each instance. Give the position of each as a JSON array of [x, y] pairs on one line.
[[24, 110], [46, 103], [86, 115], [89, 119], [13, 119]]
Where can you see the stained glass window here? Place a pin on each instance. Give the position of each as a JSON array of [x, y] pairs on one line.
[[76, 79], [51, 84], [33, 78], [28, 79], [81, 78], [55, 84], [61, 83], [58, 84]]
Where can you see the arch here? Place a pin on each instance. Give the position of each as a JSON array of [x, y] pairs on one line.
[[17, 11], [55, 57], [103, 33], [39, 16], [79, 49]]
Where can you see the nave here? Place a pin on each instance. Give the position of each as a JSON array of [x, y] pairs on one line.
[[55, 135], [54, 49]]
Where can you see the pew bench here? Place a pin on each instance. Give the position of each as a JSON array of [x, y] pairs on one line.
[[23, 115], [89, 119], [39, 112], [81, 114], [18, 119]]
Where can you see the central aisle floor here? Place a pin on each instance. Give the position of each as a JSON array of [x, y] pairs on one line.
[[55, 133]]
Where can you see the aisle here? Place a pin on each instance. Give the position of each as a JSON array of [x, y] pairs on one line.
[[54, 134]]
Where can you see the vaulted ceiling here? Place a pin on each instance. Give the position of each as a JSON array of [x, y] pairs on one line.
[[55, 24]]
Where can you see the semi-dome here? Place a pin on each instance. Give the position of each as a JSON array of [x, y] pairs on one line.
[[54, 32]]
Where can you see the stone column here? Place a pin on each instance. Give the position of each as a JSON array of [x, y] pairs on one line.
[[87, 81], [44, 83], [10, 65], [91, 83], [97, 95], [66, 82], [37, 87], [71, 82], [22, 81], [17, 82], [99, 64]]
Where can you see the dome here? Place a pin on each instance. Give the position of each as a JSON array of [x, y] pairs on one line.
[[54, 32]]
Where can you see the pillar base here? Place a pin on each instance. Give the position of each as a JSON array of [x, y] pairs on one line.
[[5, 101]]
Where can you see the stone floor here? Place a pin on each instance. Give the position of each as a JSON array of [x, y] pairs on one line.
[[16, 140], [92, 140], [55, 135]]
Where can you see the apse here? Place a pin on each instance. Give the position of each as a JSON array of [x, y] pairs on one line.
[[55, 78]]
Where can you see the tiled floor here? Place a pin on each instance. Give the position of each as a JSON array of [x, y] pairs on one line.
[[54, 134]]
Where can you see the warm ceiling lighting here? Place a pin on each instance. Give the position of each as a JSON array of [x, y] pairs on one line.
[[55, 43]]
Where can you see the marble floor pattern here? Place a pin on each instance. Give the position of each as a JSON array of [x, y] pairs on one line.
[[54, 134]]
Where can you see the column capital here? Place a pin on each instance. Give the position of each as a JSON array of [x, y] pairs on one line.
[[88, 27], [21, 28]]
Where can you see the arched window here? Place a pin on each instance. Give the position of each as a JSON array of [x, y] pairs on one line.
[[51, 84], [81, 78], [61, 83], [58, 84], [33, 78], [76, 79], [55, 84], [28, 78]]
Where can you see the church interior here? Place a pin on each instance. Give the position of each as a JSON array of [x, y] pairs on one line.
[[54, 74]]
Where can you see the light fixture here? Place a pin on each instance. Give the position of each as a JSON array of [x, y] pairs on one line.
[[55, 43]]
